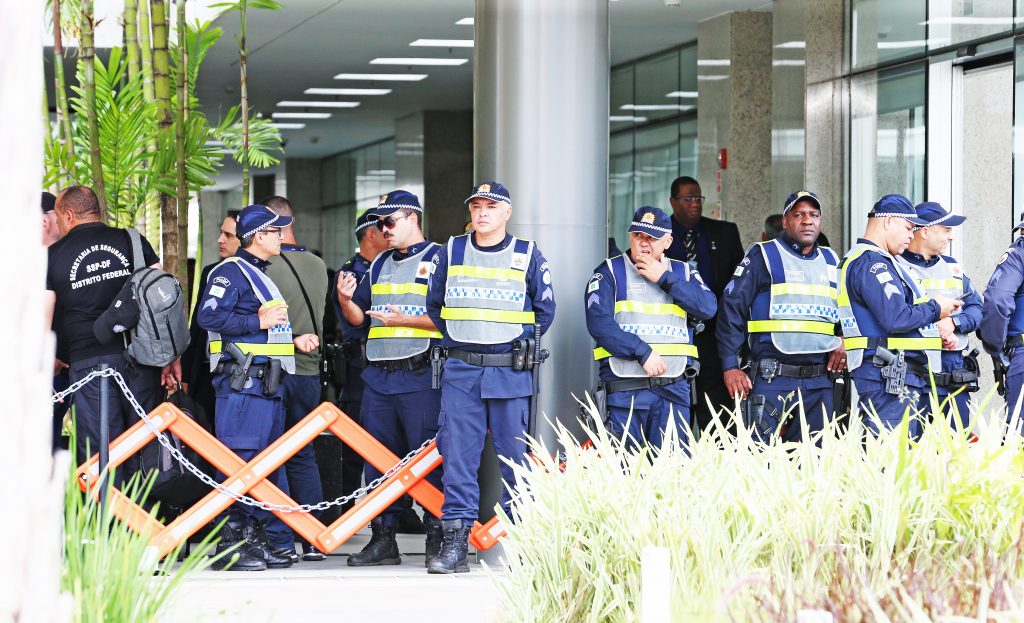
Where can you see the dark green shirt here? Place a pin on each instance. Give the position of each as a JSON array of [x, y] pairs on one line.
[[313, 273]]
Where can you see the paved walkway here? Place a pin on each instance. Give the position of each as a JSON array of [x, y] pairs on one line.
[[333, 591]]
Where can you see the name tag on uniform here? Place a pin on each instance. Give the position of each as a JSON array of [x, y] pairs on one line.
[[520, 261]]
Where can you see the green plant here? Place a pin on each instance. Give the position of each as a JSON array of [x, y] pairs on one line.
[[762, 531], [109, 570]]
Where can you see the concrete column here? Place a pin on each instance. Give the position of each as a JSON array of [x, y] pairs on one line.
[[788, 90], [541, 128], [434, 160], [734, 60]]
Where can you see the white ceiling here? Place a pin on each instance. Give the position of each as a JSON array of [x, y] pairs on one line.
[[307, 42]]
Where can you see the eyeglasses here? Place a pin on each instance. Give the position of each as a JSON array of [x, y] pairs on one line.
[[389, 221], [280, 234], [692, 199]]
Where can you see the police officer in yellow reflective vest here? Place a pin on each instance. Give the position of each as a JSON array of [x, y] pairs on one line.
[[940, 274], [251, 348], [888, 323], [782, 303], [399, 406], [487, 291], [637, 305]]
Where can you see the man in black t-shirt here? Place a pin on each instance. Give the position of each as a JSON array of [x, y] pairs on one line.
[[87, 269]]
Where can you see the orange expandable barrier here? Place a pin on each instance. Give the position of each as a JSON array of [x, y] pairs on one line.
[[250, 479]]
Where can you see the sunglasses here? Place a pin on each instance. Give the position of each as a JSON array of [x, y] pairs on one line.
[[389, 221]]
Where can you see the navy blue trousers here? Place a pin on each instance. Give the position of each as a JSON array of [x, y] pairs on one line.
[[644, 415], [402, 422], [873, 398], [782, 398], [464, 422], [301, 395], [247, 422]]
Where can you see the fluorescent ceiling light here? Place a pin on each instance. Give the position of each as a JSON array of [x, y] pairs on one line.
[[711, 78], [791, 45], [627, 118], [287, 126], [322, 91], [420, 61], [381, 172], [655, 107], [298, 104], [301, 115], [443, 43], [713, 62], [395, 77], [465, 21], [682, 94], [788, 63]]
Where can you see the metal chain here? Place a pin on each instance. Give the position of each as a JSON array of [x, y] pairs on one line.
[[208, 480]]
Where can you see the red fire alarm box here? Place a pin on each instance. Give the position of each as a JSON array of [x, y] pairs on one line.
[[723, 158]]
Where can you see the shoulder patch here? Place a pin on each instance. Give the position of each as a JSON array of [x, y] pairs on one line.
[[216, 291], [738, 271], [1003, 257], [224, 281], [883, 277], [877, 266]]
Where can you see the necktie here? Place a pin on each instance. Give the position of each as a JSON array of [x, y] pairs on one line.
[[690, 246]]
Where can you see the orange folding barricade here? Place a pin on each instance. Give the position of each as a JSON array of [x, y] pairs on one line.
[[250, 479]]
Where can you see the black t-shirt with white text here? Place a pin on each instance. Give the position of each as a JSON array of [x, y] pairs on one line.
[[87, 268]]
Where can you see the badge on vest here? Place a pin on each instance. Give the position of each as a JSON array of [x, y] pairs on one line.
[[520, 261], [424, 269]]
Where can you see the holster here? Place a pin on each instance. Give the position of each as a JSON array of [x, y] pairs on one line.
[[600, 396], [523, 351], [272, 377], [893, 369], [999, 369], [437, 357], [758, 417]]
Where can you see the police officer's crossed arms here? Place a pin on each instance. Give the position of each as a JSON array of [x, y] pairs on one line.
[[781, 309], [637, 306]]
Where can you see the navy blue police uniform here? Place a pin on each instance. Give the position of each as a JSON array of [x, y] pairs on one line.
[[944, 275], [782, 306], [1002, 319], [251, 418], [630, 319], [880, 305], [399, 404], [482, 299], [352, 340]]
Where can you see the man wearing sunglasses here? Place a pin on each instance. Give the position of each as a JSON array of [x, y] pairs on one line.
[[487, 291], [400, 405], [242, 307]]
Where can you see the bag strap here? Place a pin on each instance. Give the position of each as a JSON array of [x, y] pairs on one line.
[[137, 257], [309, 305]]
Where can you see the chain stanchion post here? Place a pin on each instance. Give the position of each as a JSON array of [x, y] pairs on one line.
[[104, 435]]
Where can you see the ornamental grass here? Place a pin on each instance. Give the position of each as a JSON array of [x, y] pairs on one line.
[[842, 527]]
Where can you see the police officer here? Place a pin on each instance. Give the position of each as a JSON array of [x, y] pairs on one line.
[[1002, 320], [487, 292], [885, 317], [242, 308], [637, 305], [940, 274], [782, 303], [400, 405], [371, 242]]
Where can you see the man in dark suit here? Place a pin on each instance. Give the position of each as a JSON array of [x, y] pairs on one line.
[[714, 249]]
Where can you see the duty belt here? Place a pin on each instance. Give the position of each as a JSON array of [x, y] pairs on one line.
[[256, 370], [483, 360], [410, 364], [956, 378], [625, 385], [768, 369]]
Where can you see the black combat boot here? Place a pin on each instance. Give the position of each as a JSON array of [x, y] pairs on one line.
[[241, 559], [381, 550], [434, 537], [276, 558], [454, 548]]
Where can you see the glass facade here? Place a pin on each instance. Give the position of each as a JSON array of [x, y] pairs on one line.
[[352, 182], [653, 132]]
